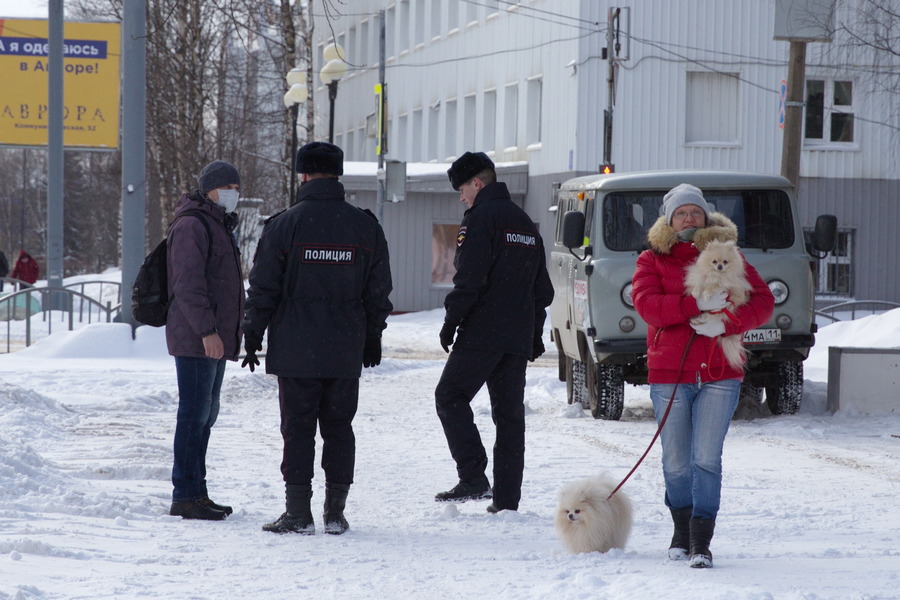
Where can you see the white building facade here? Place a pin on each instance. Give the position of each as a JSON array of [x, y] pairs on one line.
[[697, 85]]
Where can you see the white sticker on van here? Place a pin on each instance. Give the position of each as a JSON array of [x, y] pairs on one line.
[[581, 289]]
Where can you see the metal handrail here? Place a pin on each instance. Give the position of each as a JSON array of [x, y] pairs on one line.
[[51, 300], [853, 305]]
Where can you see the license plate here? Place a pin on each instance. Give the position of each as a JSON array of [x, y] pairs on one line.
[[762, 336]]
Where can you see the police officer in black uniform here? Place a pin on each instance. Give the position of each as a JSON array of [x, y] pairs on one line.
[[320, 284], [496, 312]]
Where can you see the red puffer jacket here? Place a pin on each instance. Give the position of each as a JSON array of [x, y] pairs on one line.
[[660, 299]]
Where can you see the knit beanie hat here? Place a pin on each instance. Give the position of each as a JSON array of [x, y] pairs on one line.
[[468, 166], [320, 157], [218, 174], [682, 195]]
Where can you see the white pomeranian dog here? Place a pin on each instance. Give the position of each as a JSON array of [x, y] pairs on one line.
[[587, 520], [718, 268]]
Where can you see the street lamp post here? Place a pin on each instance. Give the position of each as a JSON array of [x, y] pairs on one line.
[[331, 74], [297, 93]]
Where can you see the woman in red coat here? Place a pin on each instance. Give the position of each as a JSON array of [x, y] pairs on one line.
[[705, 388], [26, 268]]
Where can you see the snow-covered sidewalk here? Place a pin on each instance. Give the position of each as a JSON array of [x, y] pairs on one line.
[[86, 419]]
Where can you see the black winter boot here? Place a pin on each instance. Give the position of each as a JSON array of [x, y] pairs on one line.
[[297, 517], [681, 539], [701, 535], [335, 501]]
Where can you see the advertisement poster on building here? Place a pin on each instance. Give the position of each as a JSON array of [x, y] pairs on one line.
[[90, 81]]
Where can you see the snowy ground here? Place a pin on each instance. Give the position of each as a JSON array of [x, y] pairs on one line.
[[809, 506]]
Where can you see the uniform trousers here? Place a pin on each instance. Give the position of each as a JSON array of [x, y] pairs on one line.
[[329, 403], [465, 372]]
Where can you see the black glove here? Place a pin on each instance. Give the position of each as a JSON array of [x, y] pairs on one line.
[[448, 331], [252, 347], [372, 352], [537, 348]]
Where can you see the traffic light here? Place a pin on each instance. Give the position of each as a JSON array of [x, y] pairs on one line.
[[607, 168]]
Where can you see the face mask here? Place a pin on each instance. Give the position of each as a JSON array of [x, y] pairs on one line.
[[228, 199], [687, 235]]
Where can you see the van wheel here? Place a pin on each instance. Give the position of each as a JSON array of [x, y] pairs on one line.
[[784, 394], [606, 384], [576, 391]]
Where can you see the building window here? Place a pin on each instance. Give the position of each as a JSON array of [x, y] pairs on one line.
[[511, 116], [404, 25], [436, 6], [350, 150], [434, 115], [419, 20], [415, 150], [829, 111], [390, 31], [469, 123], [450, 148], [452, 15], [400, 143], [834, 273], [533, 120], [712, 108], [489, 117], [443, 249], [471, 12], [363, 56]]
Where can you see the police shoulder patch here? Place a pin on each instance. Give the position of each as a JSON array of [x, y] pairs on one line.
[[461, 235]]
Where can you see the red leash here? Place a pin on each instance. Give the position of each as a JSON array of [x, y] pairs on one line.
[[661, 422]]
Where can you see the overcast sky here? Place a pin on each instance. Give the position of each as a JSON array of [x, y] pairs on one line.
[[23, 8]]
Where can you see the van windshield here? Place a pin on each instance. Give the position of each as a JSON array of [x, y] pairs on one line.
[[763, 217]]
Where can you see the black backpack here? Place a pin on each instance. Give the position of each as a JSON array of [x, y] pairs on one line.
[[150, 294]]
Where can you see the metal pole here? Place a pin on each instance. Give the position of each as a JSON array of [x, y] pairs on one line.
[[793, 113], [379, 200], [293, 167], [134, 115], [612, 16], [55, 104], [332, 95], [22, 208]]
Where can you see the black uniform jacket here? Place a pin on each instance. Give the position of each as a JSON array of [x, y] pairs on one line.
[[320, 283], [501, 288]]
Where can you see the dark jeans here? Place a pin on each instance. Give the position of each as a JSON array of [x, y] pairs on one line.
[[330, 404], [199, 384], [464, 374]]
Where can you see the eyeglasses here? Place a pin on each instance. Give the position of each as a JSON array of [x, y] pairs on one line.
[[694, 214]]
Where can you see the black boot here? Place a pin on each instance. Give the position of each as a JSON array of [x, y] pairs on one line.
[[681, 539], [478, 488], [701, 535], [196, 509], [297, 517], [335, 501]]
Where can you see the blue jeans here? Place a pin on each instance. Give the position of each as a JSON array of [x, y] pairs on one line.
[[692, 441], [199, 384]]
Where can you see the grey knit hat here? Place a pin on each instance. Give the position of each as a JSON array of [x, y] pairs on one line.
[[218, 174], [682, 195]]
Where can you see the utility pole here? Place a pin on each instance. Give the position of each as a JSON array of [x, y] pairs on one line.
[[134, 117], [612, 17], [793, 113], [798, 22]]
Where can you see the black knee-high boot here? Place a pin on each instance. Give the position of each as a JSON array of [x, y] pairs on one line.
[[701, 535], [335, 501], [297, 517]]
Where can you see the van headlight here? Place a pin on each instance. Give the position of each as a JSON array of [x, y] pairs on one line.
[[626, 296], [780, 290]]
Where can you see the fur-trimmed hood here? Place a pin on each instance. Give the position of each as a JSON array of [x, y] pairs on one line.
[[662, 236]]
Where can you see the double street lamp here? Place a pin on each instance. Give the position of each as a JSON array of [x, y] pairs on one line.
[[334, 69], [296, 95]]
